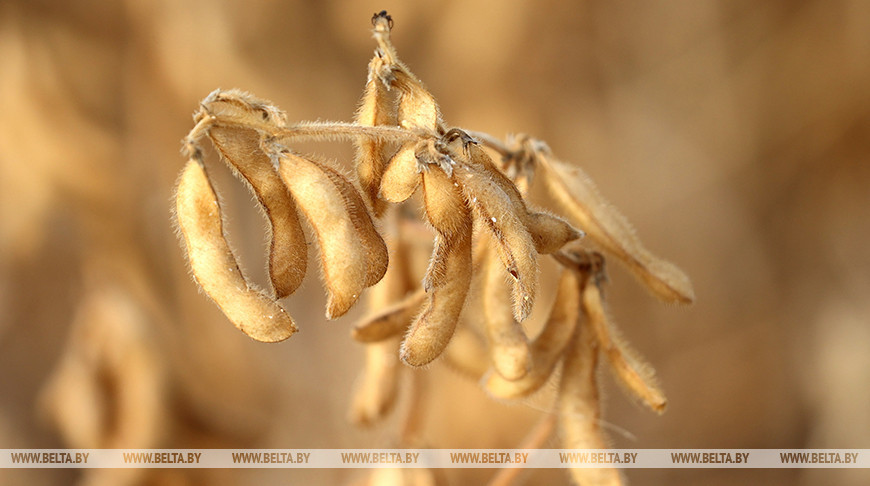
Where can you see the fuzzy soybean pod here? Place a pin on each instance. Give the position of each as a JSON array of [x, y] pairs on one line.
[[377, 254], [448, 277], [578, 197], [578, 405], [417, 107], [240, 148], [377, 387], [417, 110], [509, 346], [549, 346], [549, 233], [390, 320], [402, 175], [342, 252], [214, 266], [377, 107], [432, 330], [633, 373], [513, 242], [447, 212]]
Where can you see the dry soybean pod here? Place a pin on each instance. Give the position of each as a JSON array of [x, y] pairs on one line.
[[631, 371], [417, 107], [214, 266], [390, 321], [579, 407], [432, 330], [376, 391], [513, 241], [548, 232], [548, 346], [575, 193], [342, 253], [376, 108], [448, 277], [509, 346], [376, 249], [402, 175], [240, 147], [448, 214]]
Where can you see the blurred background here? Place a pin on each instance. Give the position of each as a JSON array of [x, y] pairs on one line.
[[734, 135]]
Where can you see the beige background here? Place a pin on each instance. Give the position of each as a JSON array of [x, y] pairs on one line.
[[734, 135]]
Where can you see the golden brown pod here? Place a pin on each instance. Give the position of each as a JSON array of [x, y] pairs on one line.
[[214, 266], [549, 346], [509, 346], [549, 233], [448, 214], [513, 242], [377, 388], [240, 147], [432, 330], [448, 277], [402, 175], [635, 375], [389, 321], [578, 197], [417, 107], [343, 255], [377, 107], [578, 405], [376, 249]]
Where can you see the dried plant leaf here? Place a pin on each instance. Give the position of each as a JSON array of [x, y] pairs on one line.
[[548, 346], [578, 197], [343, 255], [214, 266], [509, 346], [579, 406], [637, 376]]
